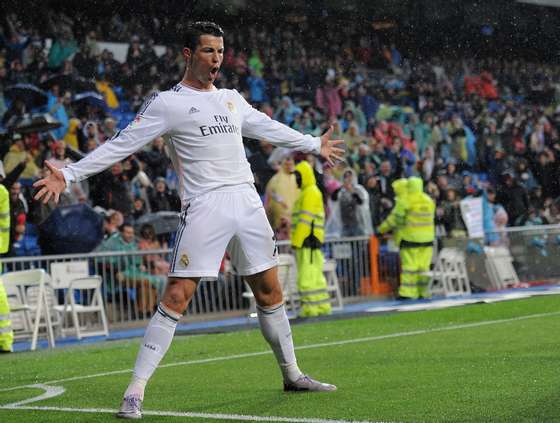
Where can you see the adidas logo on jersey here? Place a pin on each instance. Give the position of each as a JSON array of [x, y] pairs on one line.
[[193, 110]]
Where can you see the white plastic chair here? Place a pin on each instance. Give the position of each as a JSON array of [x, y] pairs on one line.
[[62, 274], [89, 283], [449, 276], [36, 283], [32, 299], [287, 274], [19, 312], [333, 287], [499, 265]]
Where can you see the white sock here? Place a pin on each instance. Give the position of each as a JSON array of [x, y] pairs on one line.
[[155, 344], [275, 328]]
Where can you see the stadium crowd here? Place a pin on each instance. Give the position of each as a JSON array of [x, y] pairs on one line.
[[468, 127]]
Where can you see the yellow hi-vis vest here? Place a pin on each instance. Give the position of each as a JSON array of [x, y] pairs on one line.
[[397, 218], [4, 220], [420, 214], [308, 211]]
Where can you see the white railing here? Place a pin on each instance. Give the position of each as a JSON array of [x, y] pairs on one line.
[[134, 281]]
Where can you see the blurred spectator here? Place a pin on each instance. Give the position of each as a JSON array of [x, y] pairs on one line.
[[63, 47], [514, 198], [468, 186], [88, 136], [386, 179], [138, 208], [109, 128], [287, 111], [452, 218], [18, 212], [328, 98], [156, 159], [375, 199], [8, 179], [15, 112], [112, 222], [162, 198], [59, 159], [257, 88], [547, 173], [130, 270], [111, 188], [281, 193], [155, 263], [454, 179], [353, 204], [24, 243], [524, 175]]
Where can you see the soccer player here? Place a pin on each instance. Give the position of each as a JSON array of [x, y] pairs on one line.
[[203, 128]]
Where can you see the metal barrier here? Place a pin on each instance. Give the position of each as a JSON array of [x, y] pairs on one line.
[[133, 281], [534, 252]]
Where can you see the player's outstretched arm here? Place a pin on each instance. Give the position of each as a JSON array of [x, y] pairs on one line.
[[330, 149], [50, 186]]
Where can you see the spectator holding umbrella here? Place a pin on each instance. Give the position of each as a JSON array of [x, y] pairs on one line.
[[15, 112]]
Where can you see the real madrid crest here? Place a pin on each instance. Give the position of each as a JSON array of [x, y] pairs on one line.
[[230, 106], [185, 260]]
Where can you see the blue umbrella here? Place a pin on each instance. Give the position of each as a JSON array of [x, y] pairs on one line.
[[71, 229], [92, 98], [31, 95]]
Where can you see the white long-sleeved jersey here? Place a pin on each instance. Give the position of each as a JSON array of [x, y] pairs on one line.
[[203, 131]]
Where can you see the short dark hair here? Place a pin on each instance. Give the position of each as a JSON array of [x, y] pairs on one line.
[[126, 225], [196, 29]]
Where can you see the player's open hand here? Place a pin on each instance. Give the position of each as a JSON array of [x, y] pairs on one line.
[[329, 149], [50, 186]]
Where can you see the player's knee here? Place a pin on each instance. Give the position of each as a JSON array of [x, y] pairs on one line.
[[175, 298], [268, 296], [178, 293]]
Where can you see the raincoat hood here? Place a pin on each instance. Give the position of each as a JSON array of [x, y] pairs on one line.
[[354, 176], [415, 185], [307, 175], [400, 186]]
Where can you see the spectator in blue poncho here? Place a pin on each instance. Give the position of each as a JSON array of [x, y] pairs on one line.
[[56, 109], [286, 111]]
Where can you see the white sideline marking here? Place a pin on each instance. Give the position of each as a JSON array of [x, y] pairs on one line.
[[304, 347], [238, 417]]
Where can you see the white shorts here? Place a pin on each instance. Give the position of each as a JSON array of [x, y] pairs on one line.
[[232, 218]]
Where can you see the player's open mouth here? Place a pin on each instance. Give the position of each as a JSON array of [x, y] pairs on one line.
[[214, 71]]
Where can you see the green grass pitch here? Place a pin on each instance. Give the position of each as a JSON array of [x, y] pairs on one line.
[[497, 362]]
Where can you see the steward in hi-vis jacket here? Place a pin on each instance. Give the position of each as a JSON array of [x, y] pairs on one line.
[[308, 235], [6, 333]]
